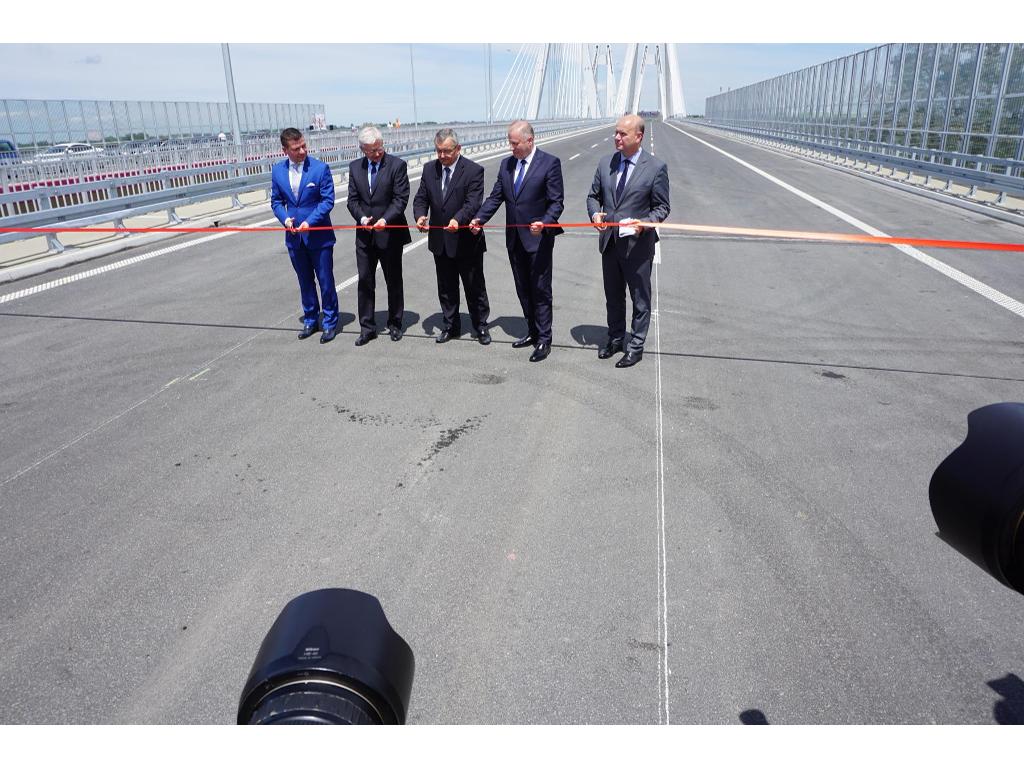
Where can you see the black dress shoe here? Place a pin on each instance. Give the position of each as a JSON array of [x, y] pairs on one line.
[[526, 341], [447, 335], [609, 349], [366, 338], [630, 358], [328, 335], [484, 337], [396, 333], [541, 352], [308, 330]]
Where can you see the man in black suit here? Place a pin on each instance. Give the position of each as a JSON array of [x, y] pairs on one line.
[[378, 192], [630, 191], [530, 185], [451, 189]]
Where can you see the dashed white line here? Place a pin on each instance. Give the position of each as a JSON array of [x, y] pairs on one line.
[[204, 371], [575, 156], [990, 293], [594, 145]]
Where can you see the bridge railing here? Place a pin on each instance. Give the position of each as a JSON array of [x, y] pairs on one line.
[[112, 186], [1000, 175]]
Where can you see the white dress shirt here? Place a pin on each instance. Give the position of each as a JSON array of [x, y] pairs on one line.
[[295, 177]]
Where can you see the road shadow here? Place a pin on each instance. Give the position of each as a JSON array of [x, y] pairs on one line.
[[409, 319], [590, 335], [1009, 711], [753, 717], [515, 327], [434, 324]]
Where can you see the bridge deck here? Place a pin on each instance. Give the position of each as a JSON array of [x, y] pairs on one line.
[[176, 465]]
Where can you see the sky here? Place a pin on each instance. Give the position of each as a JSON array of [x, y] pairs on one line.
[[355, 59], [450, 78]]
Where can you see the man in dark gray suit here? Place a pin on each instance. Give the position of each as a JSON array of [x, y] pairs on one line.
[[378, 192], [629, 193], [450, 193]]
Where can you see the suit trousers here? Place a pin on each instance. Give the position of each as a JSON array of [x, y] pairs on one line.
[[470, 267], [632, 272], [314, 266], [532, 275], [390, 259]]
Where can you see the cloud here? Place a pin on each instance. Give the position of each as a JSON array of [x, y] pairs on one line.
[[90, 60]]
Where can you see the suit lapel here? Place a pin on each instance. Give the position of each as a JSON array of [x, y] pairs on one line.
[[451, 181]]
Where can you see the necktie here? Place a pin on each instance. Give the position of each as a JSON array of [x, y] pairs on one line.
[[519, 179], [295, 176], [622, 180], [373, 175], [445, 180]]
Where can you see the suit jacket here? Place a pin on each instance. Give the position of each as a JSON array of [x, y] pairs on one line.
[[460, 201], [314, 203], [541, 198], [645, 197], [388, 201]]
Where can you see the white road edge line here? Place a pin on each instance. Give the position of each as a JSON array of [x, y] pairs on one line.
[[987, 291], [181, 246]]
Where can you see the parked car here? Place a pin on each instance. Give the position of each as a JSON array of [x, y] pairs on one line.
[[8, 153], [62, 152]]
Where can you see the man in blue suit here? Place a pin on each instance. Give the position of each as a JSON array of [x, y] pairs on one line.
[[302, 196], [530, 185]]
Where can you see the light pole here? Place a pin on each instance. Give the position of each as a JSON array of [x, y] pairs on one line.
[[412, 68], [236, 128], [490, 118]]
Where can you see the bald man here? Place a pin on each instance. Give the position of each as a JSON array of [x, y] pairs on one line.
[[529, 184], [629, 193]]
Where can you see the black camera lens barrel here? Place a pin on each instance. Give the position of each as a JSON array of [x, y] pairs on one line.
[[977, 493], [330, 657]]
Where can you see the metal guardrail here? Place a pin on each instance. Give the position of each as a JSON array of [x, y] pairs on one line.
[[109, 188], [947, 166]]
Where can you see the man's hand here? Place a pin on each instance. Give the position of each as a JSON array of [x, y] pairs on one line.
[[453, 226], [536, 227], [421, 223], [635, 223], [365, 221], [598, 220], [474, 226], [289, 224], [303, 227], [380, 224]]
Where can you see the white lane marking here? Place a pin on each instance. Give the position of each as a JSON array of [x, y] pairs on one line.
[[663, 668], [110, 267], [982, 289], [575, 156], [594, 145], [181, 246], [208, 364], [657, 253], [162, 389]]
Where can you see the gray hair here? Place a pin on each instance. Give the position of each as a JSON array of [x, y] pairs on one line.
[[524, 128], [444, 134], [369, 134]]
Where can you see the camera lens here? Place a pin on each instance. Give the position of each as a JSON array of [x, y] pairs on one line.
[[977, 493], [331, 657]]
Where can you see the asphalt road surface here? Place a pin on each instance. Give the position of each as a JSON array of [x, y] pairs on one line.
[[736, 529]]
